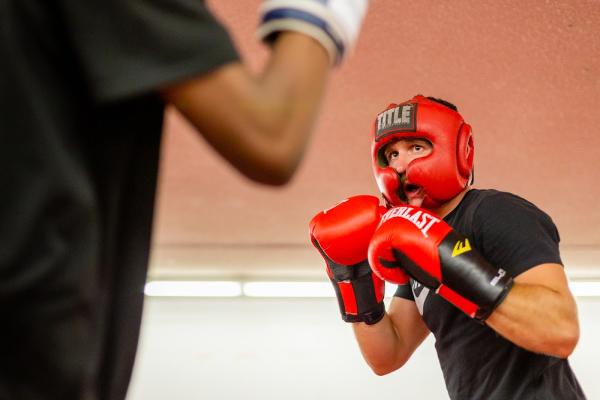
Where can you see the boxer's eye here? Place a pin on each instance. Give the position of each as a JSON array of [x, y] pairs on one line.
[[391, 155]]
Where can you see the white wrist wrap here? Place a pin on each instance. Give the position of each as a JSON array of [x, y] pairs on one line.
[[333, 23]]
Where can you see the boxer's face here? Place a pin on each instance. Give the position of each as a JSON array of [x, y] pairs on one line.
[[398, 155]]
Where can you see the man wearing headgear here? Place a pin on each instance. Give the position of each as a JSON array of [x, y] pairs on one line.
[[480, 269]]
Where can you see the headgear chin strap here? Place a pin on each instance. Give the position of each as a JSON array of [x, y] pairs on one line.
[[443, 173]]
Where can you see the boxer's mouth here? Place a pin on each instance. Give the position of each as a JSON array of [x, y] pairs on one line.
[[410, 191], [410, 188], [413, 193]]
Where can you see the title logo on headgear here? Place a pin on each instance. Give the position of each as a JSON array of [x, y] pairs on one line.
[[402, 118]]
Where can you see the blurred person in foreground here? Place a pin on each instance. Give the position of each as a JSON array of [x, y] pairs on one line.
[[83, 87]]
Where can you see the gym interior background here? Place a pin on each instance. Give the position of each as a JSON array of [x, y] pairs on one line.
[[525, 74]]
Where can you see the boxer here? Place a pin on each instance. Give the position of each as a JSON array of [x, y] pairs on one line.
[[480, 269]]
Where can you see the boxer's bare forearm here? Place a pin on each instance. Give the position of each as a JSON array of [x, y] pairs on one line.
[[540, 317], [387, 345], [260, 124]]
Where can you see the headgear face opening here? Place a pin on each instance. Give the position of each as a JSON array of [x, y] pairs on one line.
[[443, 173]]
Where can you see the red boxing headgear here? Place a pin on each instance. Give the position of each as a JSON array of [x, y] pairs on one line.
[[443, 173]]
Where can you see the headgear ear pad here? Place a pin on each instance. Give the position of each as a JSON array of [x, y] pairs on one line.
[[445, 171], [464, 151]]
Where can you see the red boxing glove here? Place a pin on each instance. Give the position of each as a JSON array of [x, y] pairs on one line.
[[430, 251], [342, 235]]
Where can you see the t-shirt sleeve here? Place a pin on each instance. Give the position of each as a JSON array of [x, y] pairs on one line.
[[130, 47], [515, 235]]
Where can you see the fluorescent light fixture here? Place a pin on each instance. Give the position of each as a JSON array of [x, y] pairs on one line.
[[296, 289], [193, 289], [585, 288], [288, 289]]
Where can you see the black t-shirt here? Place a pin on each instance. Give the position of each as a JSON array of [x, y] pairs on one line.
[[477, 363], [80, 127]]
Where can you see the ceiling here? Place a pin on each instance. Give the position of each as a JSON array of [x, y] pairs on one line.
[[524, 74]]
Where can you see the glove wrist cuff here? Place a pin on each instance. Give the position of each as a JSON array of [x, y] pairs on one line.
[[370, 317], [361, 299], [484, 312]]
